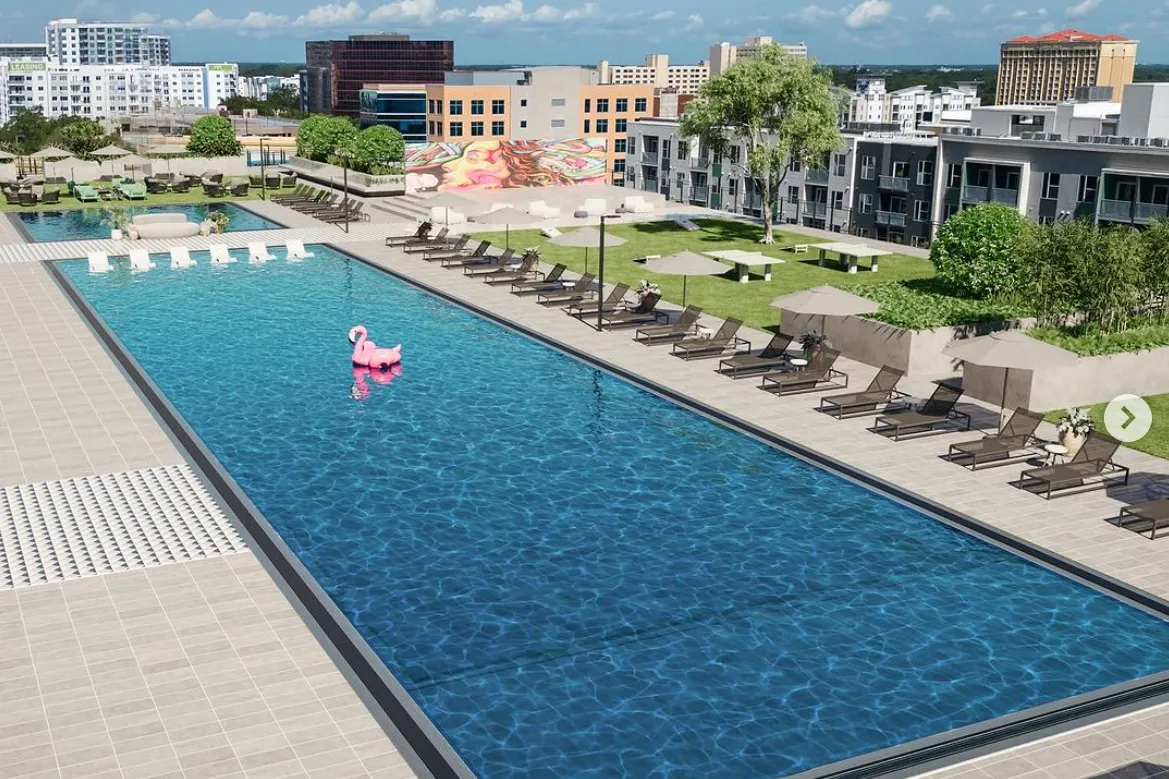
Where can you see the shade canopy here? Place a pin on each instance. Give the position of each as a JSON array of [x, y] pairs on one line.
[[162, 151], [507, 216], [6, 155], [1010, 349], [133, 160], [686, 264], [825, 301], [51, 153], [587, 238], [111, 151]]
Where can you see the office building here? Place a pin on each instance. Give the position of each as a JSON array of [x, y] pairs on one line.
[[908, 108], [17, 50], [74, 42], [723, 55], [1050, 69], [401, 106], [337, 71], [657, 72], [105, 91]]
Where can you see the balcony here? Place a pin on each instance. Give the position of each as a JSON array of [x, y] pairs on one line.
[[816, 176], [700, 195], [754, 202], [894, 183], [649, 185], [650, 157], [700, 162], [891, 218], [1126, 211], [975, 194], [1008, 197], [815, 209]]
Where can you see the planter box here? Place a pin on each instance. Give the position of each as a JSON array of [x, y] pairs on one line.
[[361, 184]]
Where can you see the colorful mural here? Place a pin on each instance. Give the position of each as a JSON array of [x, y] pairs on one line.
[[450, 167]]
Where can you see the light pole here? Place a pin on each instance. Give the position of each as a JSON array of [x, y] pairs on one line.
[[263, 178], [601, 271]]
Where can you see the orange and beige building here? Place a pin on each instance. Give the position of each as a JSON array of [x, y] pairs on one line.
[[1050, 69]]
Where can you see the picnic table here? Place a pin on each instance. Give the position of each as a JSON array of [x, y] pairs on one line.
[[744, 261]]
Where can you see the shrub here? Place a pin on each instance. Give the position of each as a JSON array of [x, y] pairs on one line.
[[213, 136], [378, 148], [974, 251], [82, 136], [320, 136]]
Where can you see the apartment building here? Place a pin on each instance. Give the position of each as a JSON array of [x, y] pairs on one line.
[[658, 72], [17, 50], [723, 55], [259, 87], [73, 42], [103, 91], [1049, 69], [908, 108], [336, 71]]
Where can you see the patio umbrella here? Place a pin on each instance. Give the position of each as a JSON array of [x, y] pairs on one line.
[[825, 301], [586, 238], [686, 264], [51, 153], [7, 155], [1009, 349], [111, 151], [507, 216], [166, 151], [448, 200], [133, 161]]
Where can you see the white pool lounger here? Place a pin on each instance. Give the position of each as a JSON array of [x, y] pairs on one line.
[[99, 262], [258, 254], [140, 260], [180, 257], [296, 250], [220, 255]]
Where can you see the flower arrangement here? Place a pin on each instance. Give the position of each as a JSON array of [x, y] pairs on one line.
[[645, 288], [1075, 422], [115, 218], [219, 220], [812, 342]]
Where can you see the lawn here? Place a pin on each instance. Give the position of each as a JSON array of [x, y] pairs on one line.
[[170, 198], [721, 296], [1155, 443]]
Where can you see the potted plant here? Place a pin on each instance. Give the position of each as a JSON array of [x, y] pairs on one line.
[[645, 288], [219, 220], [1073, 428], [812, 342], [117, 219]]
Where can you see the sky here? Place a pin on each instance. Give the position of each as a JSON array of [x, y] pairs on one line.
[[862, 32]]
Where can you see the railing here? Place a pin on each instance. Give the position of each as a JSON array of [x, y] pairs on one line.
[[1146, 211], [650, 156], [1008, 197], [324, 172], [700, 194], [1126, 210], [895, 183], [700, 162], [1116, 209], [891, 218], [649, 185], [816, 209], [752, 201], [816, 176], [975, 194]]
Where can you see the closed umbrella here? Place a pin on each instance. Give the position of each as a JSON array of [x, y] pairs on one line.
[[507, 216], [686, 264], [586, 238], [1009, 349], [825, 302]]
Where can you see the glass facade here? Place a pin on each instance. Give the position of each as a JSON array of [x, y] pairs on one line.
[[339, 70], [404, 111]]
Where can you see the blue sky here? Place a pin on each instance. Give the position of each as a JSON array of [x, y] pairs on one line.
[[583, 31]]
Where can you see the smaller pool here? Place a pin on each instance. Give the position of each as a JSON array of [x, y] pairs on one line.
[[81, 224]]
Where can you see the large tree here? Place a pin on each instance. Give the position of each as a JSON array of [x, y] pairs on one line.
[[975, 250], [320, 136], [378, 148], [213, 136], [779, 107], [82, 136]]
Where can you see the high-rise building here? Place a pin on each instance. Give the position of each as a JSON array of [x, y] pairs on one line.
[[336, 71], [723, 55], [11, 50], [73, 42], [658, 72], [1051, 68]]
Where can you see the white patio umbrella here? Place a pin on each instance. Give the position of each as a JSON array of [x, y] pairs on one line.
[[825, 301], [166, 151], [686, 264], [51, 153], [109, 152], [133, 161], [448, 201], [1009, 349], [507, 217], [586, 238], [7, 155]]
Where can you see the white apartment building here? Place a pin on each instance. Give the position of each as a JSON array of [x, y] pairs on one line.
[[723, 55], [258, 87], [103, 91], [657, 71], [74, 42], [910, 107]]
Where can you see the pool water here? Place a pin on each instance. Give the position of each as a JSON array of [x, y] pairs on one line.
[[573, 577], [80, 224]]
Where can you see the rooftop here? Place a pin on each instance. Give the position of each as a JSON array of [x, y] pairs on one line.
[[1069, 36]]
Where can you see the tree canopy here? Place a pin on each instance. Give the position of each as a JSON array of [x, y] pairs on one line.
[[379, 149], [320, 136], [213, 136], [29, 131], [975, 250]]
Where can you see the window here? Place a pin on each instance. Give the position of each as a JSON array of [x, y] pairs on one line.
[[430, 127], [866, 204], [476, 128], [736, 154], [837, 199], [796, 166], [477, 107], [839, 163], [497, 128], [868, 168], [639, 104], [619, 165], [556, 123], [921, 210], [523, 123], [558, 102], [925, 173], [681, 179], [619, 146], [602, 105], [953, 175], [456, 129], [1089, 187], [732, 187], [632, 146], [497, 107], [793, 194], [1050, 186], [524, 103], [588, 105], [683, 149], [430, 106], [622, 105], [620, 125], [602, 125], [456, 108], [900, 170], [586, 126]]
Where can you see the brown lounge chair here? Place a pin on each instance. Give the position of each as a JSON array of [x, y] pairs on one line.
[[683, 327], [773, 356], [881, 391], [727, 337], [435, 244], [996, 449], [51, 196], [645, 313], [1150, 516], [614, 301], [529, 267], [11, 198], [420, 234], [1093, 459], [474, 266], [819, 371], [939, 409], [577, 291], [439, 255], [239, 190], [549, 282], [27, 198]]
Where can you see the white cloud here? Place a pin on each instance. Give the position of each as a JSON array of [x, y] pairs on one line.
[[492, 14], [868, 13], [694, 22], [939, 13], [451, 14], [1020, 14], [987, 9], [145, 18], [1083, 7], [404, 11], [812, 14], [550, 13], [207, 20], [331, 14], [661, 17], [261, 20]]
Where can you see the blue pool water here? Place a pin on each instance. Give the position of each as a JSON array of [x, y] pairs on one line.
[[86, 223], [575, 578]]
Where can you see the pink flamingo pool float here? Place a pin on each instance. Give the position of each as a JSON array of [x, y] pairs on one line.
[[366, 353], [361, 389]]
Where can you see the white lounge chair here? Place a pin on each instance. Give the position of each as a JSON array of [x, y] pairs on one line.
[[140, 260], [594, 206], [258, 253], [296, 250], [636, 204], [220, 255], [99, 262], [180, 257], [550, 232], [543, 210], [442, 215]]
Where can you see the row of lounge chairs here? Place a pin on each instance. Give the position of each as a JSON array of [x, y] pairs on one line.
[[28, 197], [322, 204]]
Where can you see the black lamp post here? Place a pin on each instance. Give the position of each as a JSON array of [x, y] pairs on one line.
[[601, 271], [263, 178]]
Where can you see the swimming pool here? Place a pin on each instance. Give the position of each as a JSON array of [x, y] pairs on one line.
[[573, 577], [80, 224]]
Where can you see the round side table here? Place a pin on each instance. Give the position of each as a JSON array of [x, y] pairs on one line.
[[799, 363], [1053, 451]]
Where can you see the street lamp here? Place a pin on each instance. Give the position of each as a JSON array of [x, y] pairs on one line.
[[263, 178], [601, 271]]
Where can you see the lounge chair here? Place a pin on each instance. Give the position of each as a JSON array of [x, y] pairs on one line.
[[288, 180], [727, 337], [322, 205], [578, 291], [180, 257], [86, 194], [1094, 459], [258, 253], [220, 255], [818, 372], [214, 178], [1150, 515], [140, 260], [239, 190], [485, 263], [441, 240], [550, 281], [353, 213], [680, 329], [294, 250], [935, 416], [27, 198], [11, 198], [300, 193], [1018, 435], [180, 186], [773, 356], [420, 234], [528, 267], [440, 255], [614, 301], [155, 187], [51, 197], [99, 262], [131, 190], [439, 246], [213, 190], [644, 314], [881, 391]]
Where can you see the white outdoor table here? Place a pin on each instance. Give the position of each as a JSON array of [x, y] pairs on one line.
[[743, 262]]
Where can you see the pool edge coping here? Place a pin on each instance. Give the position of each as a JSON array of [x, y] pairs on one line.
[[909, 758], [29, 238]]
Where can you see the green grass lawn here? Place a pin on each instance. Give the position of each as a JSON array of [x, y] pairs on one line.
[[170, 198], [721, 296], [1155, 443]]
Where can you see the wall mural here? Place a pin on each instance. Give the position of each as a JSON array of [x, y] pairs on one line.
[[450, 167]]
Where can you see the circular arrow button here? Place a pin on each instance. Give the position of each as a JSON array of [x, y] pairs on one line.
[[1128, 418]]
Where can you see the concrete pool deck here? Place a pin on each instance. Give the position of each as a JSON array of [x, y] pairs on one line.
[[203, 668]]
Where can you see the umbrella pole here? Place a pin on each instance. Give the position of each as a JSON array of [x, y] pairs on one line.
[[684, 280], [586, 270], [1003, 404]]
